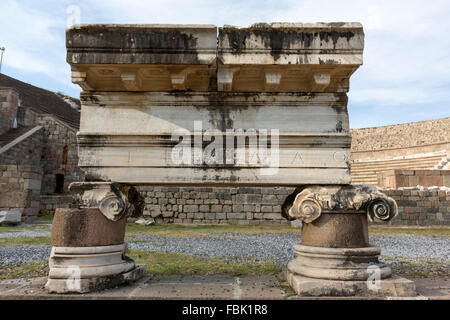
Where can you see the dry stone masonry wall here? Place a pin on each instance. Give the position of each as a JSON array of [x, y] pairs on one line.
[[401, 136], [252, 205], [206, 205]]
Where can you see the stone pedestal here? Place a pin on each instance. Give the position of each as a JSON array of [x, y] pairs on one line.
[[88, 251], [335, 257]]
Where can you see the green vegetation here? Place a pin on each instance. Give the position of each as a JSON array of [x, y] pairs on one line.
[[37, 228], [45, 217], [24, 241], [180, 264], [424, 231], [25, 271], [207, 230], [423, 268]]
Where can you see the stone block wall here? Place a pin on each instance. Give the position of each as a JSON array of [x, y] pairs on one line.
[[395, 179], [401, 135], [27, 117], [20, 177], [252, 205], [49, 203], [61, 154], [9, 101], [26, 152], [421, 206], [20, 188], [207, 205]]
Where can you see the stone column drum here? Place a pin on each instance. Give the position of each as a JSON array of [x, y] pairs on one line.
[[335, 257], [88, 252]]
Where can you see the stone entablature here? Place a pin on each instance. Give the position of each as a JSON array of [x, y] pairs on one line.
[[227, 78], [289, 57]]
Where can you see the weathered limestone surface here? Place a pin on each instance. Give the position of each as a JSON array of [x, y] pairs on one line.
[[142, 83]]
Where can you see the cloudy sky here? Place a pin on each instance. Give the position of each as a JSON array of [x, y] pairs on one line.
[[406, 71]]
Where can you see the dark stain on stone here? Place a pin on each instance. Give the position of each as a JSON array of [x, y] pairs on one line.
[[278, 39], [328, 61], [136, 40], [335, 36], [339, 126]]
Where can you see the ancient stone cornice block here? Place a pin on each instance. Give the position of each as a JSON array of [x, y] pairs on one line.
[[276, 57], [142, 57], [141, 44], [311, 57]]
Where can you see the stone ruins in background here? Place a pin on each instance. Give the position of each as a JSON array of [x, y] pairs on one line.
[[143, 83]]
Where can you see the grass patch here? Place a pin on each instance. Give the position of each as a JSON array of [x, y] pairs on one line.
[[202, 231], [24, 241], [37, 228], [425, 231], [45, 217], [423, 268], [25, 271], [159, 263]]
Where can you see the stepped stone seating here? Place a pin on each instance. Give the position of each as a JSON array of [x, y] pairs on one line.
[[364, 171]]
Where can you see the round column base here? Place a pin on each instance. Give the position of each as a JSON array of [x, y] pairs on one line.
[[356, 264], [86, 269]]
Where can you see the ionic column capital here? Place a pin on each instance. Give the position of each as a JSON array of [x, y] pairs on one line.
[[312, 201], [114, 200]]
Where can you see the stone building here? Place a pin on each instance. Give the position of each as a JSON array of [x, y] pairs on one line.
[[38, 150]]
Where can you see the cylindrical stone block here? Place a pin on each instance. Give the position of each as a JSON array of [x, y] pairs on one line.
[[86, 228], [337, 230]]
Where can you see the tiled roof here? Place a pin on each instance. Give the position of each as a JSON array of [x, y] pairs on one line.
[[13, 134], [42, 101]]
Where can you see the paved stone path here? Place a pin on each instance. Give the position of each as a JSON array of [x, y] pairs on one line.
[[217, 287]]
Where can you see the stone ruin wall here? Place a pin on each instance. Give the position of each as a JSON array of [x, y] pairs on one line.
[[61, 154], [252, 206], [401, 139], [29, 167], [9, 101], [20, 177]]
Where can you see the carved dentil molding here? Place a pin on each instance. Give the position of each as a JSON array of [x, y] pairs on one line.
[[311, 202]]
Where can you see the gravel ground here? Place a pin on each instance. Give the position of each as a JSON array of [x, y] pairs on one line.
[[26, 233], [412, 246], [279, 247], [240, 247], [237, 247], [16, 255]]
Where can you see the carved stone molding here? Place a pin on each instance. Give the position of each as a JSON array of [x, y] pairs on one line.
[[114, 200], [311, 202]]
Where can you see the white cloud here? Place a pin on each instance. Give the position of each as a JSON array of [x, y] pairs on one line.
[[33, 39], [406, 60]]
